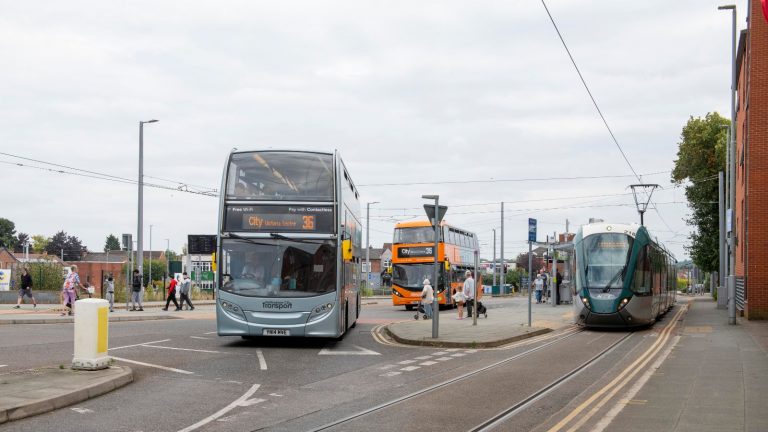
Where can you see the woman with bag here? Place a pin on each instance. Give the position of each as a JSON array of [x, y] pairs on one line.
[[459, 298]]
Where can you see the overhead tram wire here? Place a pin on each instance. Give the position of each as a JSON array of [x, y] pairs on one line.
[[504, 180], [183, 187], [597, 107]]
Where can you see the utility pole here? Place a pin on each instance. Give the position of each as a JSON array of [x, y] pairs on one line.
[[494, 259], [368, 245], [722, 296], [503, 271]]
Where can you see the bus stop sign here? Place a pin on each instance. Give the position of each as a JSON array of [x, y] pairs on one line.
[[531, 230], [430, 209]]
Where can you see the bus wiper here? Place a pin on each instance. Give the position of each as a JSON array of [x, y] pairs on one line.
[[616, 276], [297, 240], [279, 236]]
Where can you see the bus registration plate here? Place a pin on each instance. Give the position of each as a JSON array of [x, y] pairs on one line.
[[276, 332]]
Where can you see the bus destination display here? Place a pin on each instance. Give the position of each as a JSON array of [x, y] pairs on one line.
[[282, 218], [414, 252]]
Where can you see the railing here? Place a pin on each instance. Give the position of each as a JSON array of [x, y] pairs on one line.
[[741, 292]]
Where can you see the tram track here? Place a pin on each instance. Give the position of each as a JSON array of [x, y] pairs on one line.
[[449, 382]]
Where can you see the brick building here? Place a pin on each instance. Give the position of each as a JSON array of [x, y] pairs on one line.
[[751, 212]]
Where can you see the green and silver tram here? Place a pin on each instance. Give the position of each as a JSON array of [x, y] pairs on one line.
[[622, 276], [289, 245]]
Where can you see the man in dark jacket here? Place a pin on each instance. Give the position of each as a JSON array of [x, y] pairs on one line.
[[26, 289], [136, 294]]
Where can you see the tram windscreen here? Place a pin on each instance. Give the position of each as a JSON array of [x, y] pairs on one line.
[[605, 259], [278, 268], [280, 176], [412, 275]]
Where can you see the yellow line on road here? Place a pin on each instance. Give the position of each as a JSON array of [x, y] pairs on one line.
[[620, 381]]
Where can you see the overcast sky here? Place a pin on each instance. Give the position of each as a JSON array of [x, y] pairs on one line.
[[472, 93]]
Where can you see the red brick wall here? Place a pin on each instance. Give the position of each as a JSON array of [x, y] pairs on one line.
[[757, 182], [92, 272]]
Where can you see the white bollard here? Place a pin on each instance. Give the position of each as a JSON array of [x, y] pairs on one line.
[[91, 334]]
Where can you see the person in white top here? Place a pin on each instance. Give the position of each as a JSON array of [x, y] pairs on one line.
[[469, 291], [427, 298], [539, 284]]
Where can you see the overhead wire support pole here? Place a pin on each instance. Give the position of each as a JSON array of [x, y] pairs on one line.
[[642, 206]]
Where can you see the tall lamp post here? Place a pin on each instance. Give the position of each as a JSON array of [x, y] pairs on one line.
[[732, 181], [368, 243], [140, 232], [150, 255]]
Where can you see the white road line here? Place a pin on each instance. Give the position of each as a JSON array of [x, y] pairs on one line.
[[405, 362], [3, 365], [183, 349], [441, 353], [458, 355], [210, 333], [241, 401], [423, 358], [153, 365], [391, 374], [262, 361], [444, 358], [428, 363], [410, 368], [145, 343], [198, 337]]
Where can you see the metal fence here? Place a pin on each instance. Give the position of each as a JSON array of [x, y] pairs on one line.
[[741, 292]]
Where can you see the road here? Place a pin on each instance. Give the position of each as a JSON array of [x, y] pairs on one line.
[[187, 378]]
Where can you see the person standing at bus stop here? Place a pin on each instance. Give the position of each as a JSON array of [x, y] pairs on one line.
[[184, 291], [136, 291], [469, 292], [427, 298]]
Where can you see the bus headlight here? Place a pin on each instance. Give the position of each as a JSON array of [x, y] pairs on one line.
[[623, 303], [233, 309], [396, 292], [585, 302], [320, 311]]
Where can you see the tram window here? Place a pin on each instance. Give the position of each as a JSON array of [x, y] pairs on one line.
[[642, 280]]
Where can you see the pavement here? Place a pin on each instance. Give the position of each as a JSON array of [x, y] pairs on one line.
[[51, 313], [724, 367]]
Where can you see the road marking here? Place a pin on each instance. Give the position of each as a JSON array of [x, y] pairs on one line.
[[253, 401], [198, 337], [82, 410], [458, 355], [405, 362], [135, 345], [387, 367], [444, 358], [153, 365], [275, 395], [441, 353], [428, 363], [262, 361], [210, 332], [183, 349], [390, 374], [360, 351], [423, 358], [3, 365], [410, 368], [239, 402]]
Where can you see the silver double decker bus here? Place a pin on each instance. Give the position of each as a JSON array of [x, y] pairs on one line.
[[289, 245]]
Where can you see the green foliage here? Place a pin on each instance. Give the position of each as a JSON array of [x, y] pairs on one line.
[[7, 233], [112, 243], [46, 276], [21, 239], [72, 246], [39, 243], [701, 155]]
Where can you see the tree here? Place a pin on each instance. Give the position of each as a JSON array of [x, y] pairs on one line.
[[72, 247], [112, 243], [701, 155], [7, 233], [21, 240], [39, 243]]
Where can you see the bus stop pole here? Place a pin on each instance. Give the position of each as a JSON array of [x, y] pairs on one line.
[[436, 281], [475, 294], [530, 278]]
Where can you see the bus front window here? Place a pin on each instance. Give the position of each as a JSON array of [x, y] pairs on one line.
[[412, 275], [278, 268]]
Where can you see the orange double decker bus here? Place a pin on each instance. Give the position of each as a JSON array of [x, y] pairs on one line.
[[413, 261]]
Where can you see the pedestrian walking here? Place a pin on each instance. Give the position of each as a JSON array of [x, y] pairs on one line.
[[184, 291], [171, 295], [469, 292], [109, 287], [136, 292], [558, 282], [26, 289], [69, 290], [539, 287], [427, 298]]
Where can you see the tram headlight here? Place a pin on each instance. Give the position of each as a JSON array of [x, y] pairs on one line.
[[585, 302], [623, 303], [320, 311], [233, 309]]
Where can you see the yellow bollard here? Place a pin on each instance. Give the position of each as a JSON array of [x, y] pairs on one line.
[[91, 334]]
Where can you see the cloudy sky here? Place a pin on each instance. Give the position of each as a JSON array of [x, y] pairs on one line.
[[475, 101]]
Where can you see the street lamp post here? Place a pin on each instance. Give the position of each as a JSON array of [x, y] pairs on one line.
[[368, 243], [140, 235], [732, 170], [150, 255]]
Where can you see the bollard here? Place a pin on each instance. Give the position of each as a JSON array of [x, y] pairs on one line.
[[91, 334]]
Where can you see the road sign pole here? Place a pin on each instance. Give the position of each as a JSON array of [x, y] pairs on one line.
[[435, 214], [531, 239]]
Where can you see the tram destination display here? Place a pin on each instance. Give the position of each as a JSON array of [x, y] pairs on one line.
[[280, 218]]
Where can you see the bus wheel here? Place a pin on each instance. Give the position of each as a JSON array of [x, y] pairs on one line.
[[409, 307]]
